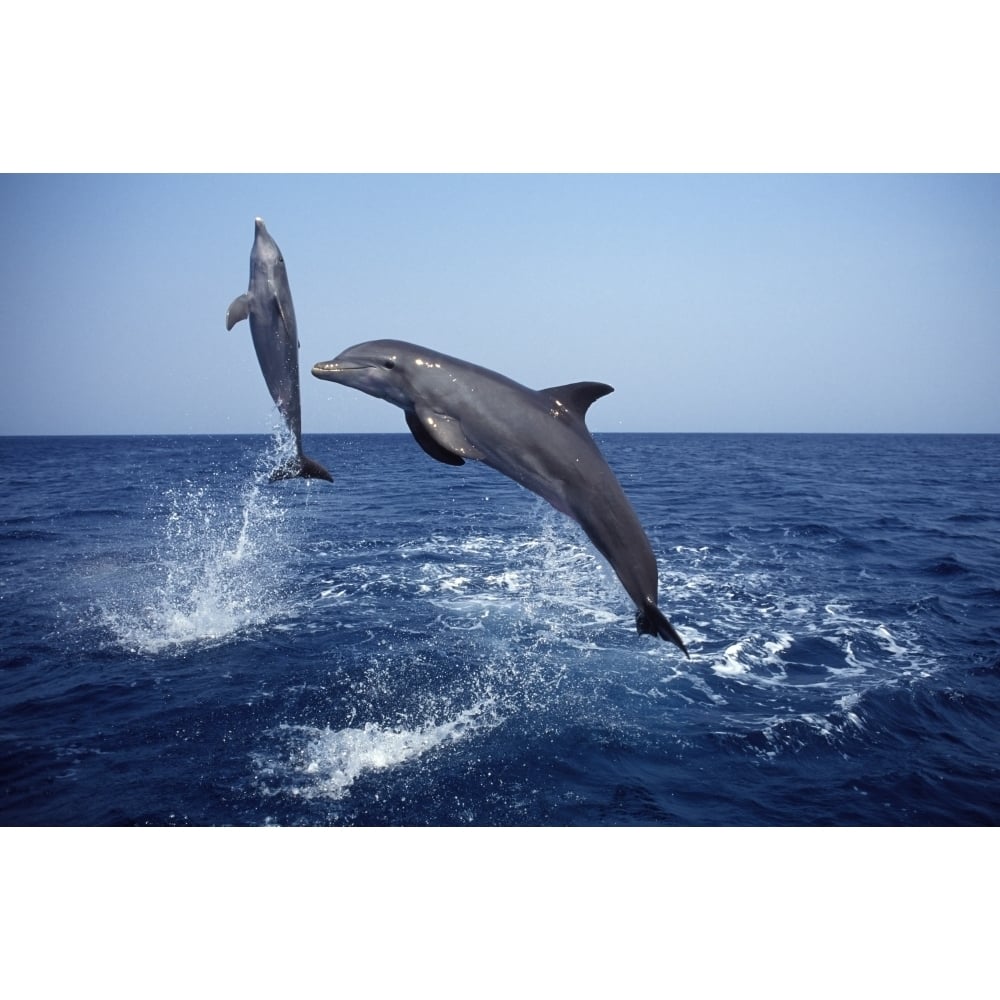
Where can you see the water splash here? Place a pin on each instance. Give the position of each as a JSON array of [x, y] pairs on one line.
[[329, 761], [216, 569], [549, 578]]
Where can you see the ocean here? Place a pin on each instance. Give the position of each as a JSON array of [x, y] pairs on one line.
[[183, 642]]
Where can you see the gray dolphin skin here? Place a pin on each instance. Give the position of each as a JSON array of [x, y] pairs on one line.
[[458, 411], [268, 304]]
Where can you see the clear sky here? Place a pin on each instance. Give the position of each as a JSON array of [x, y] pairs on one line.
[[722, 302]]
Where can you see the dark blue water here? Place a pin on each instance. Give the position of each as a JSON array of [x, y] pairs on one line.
[[185, 643]]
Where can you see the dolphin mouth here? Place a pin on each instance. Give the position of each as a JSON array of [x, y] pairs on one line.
[[331, 369]]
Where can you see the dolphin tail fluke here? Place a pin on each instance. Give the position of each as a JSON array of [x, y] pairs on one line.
[[650, 620], [313, 470], [301, 467]]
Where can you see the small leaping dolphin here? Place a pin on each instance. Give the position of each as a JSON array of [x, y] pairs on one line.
[[458, 411], [268, 304]]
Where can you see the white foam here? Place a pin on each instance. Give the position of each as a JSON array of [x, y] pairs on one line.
[[773, 649], [769, 626], [888, 641], [550, 576], [332, 760], [511, 581], [732, 664]]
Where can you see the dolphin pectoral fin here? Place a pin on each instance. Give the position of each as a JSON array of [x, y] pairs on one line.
[[576, 397], [422, 436], [238, 309], [650, 620], [284, 317], [448, 433], [283, 300]]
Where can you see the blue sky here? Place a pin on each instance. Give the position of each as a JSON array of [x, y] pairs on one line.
[[722, 302]]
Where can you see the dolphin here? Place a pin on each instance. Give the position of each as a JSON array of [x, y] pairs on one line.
[[458, 411], [268, 304]]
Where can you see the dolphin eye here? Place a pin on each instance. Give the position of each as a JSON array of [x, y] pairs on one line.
[[389, 363]]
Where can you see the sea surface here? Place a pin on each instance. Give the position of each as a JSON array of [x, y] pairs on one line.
[[183, 642]]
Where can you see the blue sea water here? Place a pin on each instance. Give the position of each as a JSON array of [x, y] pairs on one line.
[[183, 642]]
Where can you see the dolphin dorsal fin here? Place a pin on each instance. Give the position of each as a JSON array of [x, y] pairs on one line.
[[577, 396]]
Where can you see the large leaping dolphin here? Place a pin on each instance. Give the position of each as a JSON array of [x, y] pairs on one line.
[[458, 411], [268, 304]]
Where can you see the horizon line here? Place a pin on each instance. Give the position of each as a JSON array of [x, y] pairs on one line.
[[406, 433]]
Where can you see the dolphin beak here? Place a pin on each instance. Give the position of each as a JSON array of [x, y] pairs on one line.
[[333, 370], [325, 369]]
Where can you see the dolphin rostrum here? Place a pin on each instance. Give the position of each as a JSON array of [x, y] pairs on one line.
[[268, 304], [458, 411]]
